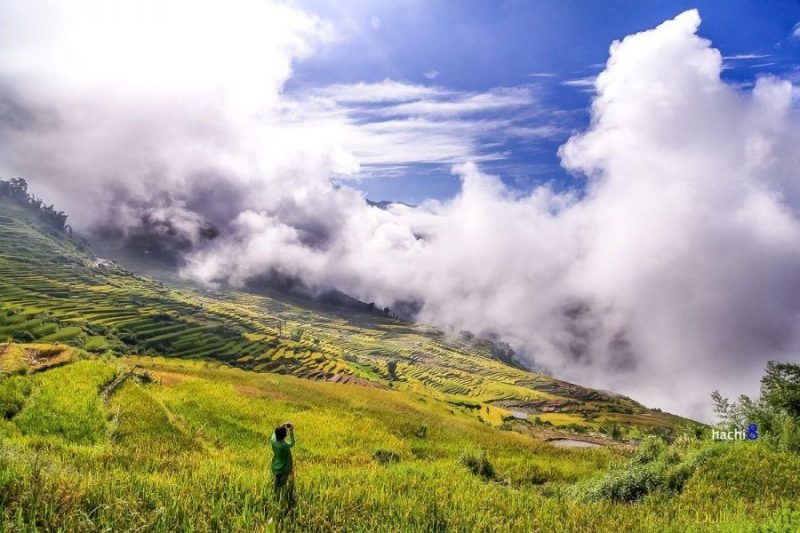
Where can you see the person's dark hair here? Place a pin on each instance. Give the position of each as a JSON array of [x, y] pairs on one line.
[[280, 432]]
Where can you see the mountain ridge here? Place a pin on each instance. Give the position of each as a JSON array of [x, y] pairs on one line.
[[54, 290]]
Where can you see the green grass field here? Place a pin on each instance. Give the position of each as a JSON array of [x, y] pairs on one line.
[[183, 446]]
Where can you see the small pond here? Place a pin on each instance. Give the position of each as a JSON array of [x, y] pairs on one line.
[[572, 443]]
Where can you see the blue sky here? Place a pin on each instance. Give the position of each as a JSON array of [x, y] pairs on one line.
[[551, 50], [239, 113]]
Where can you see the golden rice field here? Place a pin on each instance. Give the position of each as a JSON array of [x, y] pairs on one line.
[[52, 289], [183, 446]]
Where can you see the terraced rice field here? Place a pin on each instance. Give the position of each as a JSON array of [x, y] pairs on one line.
[[52, 289], [136, 443]]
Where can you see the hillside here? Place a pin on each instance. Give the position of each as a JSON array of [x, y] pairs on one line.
[[52, 289], [130, 405], [164, 444]]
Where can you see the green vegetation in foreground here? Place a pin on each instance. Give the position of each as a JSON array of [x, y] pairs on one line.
[[157, 444], [776, 412], [53, 290]]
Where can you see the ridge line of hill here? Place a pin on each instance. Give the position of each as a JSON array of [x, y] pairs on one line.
[[53, 290]]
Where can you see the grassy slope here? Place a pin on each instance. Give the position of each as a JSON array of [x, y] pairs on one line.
[[88, 444], [51, 290], [189, 452]]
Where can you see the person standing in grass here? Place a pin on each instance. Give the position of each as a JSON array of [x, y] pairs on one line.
[[282, 466]]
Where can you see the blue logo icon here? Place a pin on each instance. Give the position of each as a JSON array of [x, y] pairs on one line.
[[752, 431]]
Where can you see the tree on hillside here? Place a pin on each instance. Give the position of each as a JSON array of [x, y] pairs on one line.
[[391, 369], [780, 387], [776, 411], [16, 189]]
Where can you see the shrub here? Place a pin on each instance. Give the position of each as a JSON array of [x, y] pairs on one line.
[[96, 329], [538, 474], [612, 429], [627, 485], [23, 336], [789, 434], [386, 457], [13, 392], [478, 464], [649, 450], [391, 369], [145, 377], [127, 337], [678, 476], [654, 467]]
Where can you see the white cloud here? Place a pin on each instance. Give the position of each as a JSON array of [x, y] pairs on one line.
[[384, 91], [585, 84], [548, 131], [744, 57], [543, 75], [502, 98], [108, 112], [405, 99], [375, 22], [677, 270], [431, 74], [588, 81], [392, 123], [674, 273], [102, 45], [736, 60], [796, 32]]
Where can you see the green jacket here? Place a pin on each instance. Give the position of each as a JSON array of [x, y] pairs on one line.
[[282, 454]]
